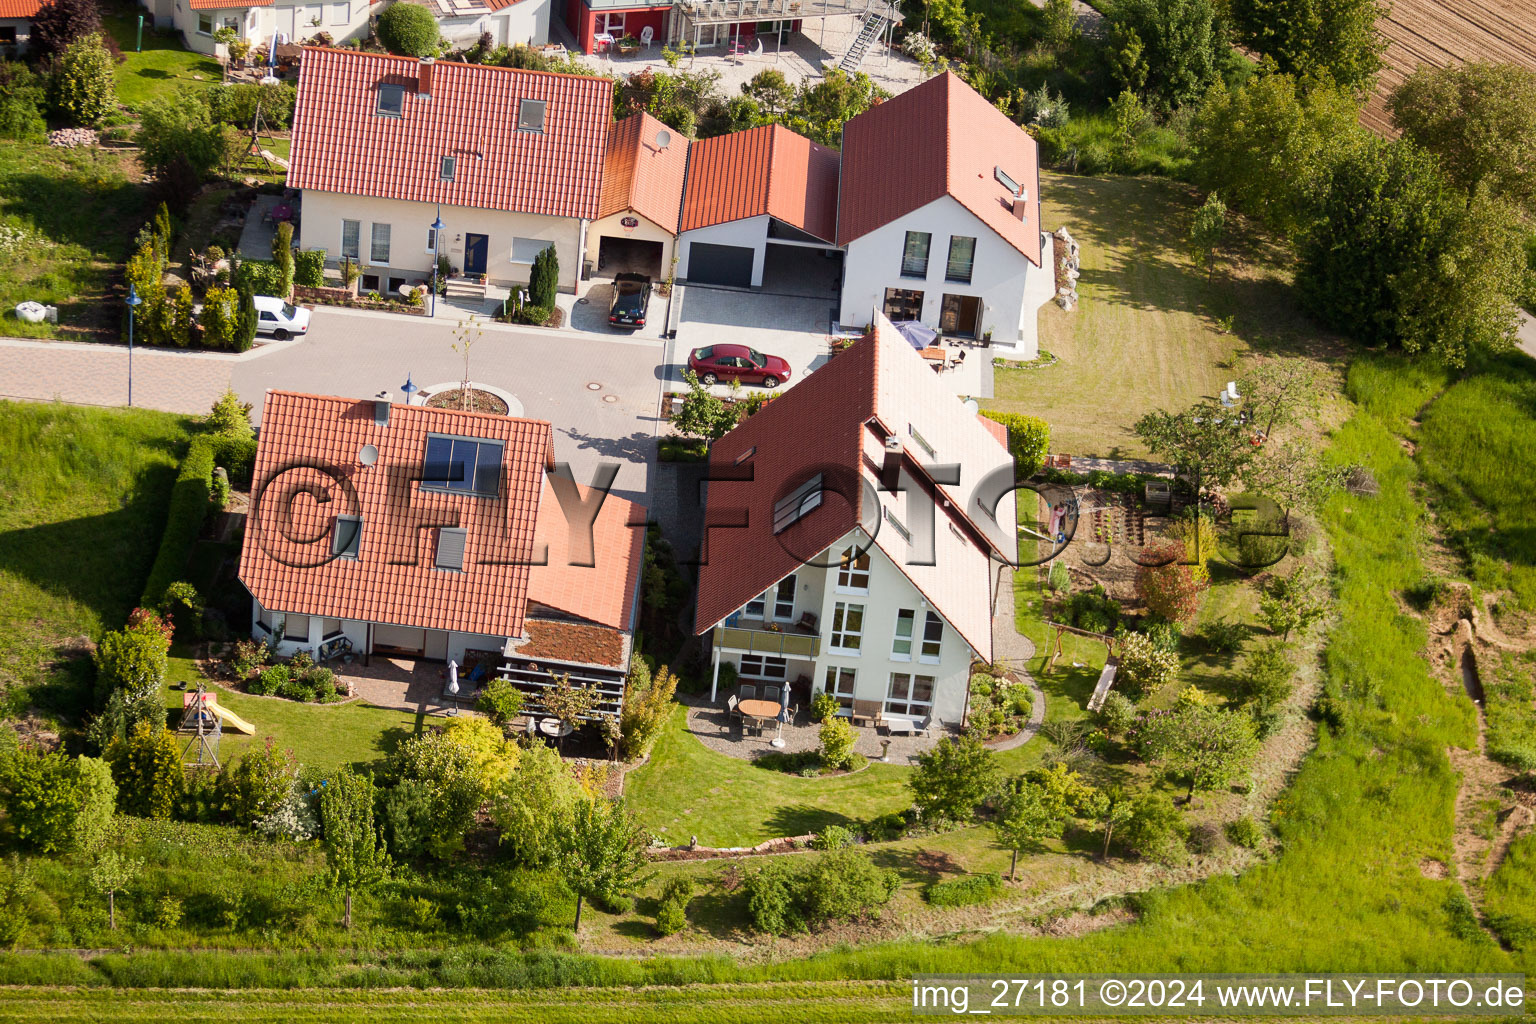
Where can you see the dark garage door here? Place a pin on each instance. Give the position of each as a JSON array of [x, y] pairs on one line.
[[719, 264]]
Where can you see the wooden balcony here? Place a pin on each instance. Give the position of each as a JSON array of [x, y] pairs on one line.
[[754, 639]]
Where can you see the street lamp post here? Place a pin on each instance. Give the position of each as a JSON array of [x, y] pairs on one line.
[[437, 238], [133, 304]]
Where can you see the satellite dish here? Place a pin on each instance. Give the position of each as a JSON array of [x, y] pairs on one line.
[[663, 139], [367, 455], [972, 407]]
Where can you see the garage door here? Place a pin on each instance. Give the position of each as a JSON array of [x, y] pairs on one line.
[[720, 264]]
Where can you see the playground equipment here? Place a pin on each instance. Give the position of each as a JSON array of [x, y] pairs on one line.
[[202, 721]]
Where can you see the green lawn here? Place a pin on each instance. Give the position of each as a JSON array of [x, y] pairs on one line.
[[83, 495], [78, 211], [161, 68], [1145, 333], [687, 789]]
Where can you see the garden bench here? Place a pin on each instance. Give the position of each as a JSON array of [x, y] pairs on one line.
[[909, 724], [868, 710]]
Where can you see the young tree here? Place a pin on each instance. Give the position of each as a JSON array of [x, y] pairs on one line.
[[1171, 589], [771, 91], [21, 103], [1333, 38], [647, 704], [1265, 681], [1109, 809], [1145, 667], [58, 23], [500, 701], [823, 105], [1130, 121], [1024, 822], [1154, 828], [1203, 745], [147, 769], [353, 847], [112, 874], [836, 738], [1294, 474], [465, 334], [702, 414], [1280, 390], [83, 89], [1205, 439], [544, 278], [231, 416], [1480, 120], [1206, 232], [449, 775], [1185, 43], [180, 126], [1127, 59], [408, 30], [602, 853], [952, 778], [567, 701], [1293, 603], [1058, 25], [532, 805]]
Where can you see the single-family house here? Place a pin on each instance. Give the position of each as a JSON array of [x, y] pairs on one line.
[[510, 160], [16, 26], [841, 555], [939, 212], [748, 190], [636, 225], [378, 528]]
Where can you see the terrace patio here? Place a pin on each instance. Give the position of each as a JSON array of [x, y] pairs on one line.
[[714, 727]]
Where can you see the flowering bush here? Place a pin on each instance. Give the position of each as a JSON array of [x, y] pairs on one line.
[[1173, 589], [998, 707], [296, 818]]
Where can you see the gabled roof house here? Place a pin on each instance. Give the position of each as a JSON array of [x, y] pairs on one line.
[[379, 528], [642, 195], [841, 558]]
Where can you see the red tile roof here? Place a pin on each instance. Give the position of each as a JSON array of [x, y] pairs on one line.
[[834, 422], [940, 138], [762, 170], [996, 429], [219, 5], [341, 145], [553, 640], [602, 591], [640, 177], [301, 433], [19, 8]]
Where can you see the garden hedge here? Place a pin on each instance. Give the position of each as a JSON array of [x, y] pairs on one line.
[[237, 455], [1029, 439], [263, 277], [183, 519], [309, 268]]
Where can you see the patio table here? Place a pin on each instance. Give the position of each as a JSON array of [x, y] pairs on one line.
[[282, 211], [762, 710], [555, 729], [934, 354]]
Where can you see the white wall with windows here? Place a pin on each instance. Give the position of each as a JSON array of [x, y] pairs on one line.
[[310, 632], [394, 239], [1003, 293]]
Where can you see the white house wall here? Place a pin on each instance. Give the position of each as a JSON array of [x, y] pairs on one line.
[[323, 213], [748, 233], [344, 21], [1002, 277], [23, 27], [526, 22], [439, 643], [645, 231]]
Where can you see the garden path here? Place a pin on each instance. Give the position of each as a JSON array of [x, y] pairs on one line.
[[1014, 649]]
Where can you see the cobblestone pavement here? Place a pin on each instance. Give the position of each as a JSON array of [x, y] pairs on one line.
[[88, 374]]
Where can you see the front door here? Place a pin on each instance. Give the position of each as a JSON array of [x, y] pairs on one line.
[[475, 248]]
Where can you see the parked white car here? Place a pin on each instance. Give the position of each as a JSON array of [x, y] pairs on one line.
[[280, 319]]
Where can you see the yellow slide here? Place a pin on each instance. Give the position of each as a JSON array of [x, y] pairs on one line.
[[231, 719]]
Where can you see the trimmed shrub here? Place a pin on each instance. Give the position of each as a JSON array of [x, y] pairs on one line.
[[237, 104], [189, 507], [309, 268], [966, 891], [263, 277], [1093, 610], [837, 740], [544, 278], [130, 659], [408, 30], [672, 915], [1029, 439], [833, 837], [83, 87]]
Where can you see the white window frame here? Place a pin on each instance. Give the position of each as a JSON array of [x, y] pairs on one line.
[[909, 705], [613, 24], [932, 640], [849, 573], [757, 608], [524, 122], [431, 240], [357, 243], [527, 245], [357, 538], [201, 17], [787, 584], [447, 167], [340, 14], [839, 635], [836, 679], [898, 639], [763, 666], [373, 244]]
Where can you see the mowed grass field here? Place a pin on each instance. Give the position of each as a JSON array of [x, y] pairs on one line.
[[1148, 332], [161, 68]]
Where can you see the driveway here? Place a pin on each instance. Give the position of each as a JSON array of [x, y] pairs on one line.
[[790, 326], [589, 313]]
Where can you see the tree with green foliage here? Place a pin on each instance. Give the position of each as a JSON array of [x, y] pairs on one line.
[[58, 23], [648, 704], [1395, 255], [837, 739], [602, 854], [1184, 41], [1024, 822], [1479, 118], [530, 807], [408, 30], [1206, 746], [1278, 391], [1145, 667], [1206, 231], [127, 708], [1109, 809], [1154, 828], [452, 780], [230, 416], [1058, 26], [21, 103], [1295, 475], [544, 278], [1029, 441], [282, 255], [500, 701], [771, 91], [353, 848], [1263, 144], [256, 784], [82, 89], [111, 874], [1127, 59], [952, 778], [1294, 603], [1333, 38], [147, 769], [672, 911], [1205, 439], [55, 803], [180, 126], [1266, 679], [132, 658], [702, 414], [823, 105]]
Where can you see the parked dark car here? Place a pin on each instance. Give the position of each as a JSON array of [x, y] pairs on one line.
[[737, 362], [631, 295]]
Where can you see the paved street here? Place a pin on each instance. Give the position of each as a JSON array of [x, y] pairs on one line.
[[359, 353]]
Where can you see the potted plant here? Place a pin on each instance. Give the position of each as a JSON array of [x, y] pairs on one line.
[[628, 46]]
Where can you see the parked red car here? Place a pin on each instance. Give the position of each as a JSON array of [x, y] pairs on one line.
[[737, 362]]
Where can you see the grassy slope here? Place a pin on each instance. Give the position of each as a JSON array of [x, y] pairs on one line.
[[83, 494], [161, 68], [82, 208], [687, 789], [1143, 336]]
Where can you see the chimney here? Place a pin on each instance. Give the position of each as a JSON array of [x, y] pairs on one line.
[[890, 468], [424, 79], [1021, 204]]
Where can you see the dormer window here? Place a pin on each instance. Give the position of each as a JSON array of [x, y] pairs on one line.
[[391, 101], [530, 115], [799, 503], [446, 167]]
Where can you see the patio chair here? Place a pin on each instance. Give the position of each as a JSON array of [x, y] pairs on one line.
[[807, 623], [732, 713], [772, 693], [646, 35], [867, 710], [747, 691]]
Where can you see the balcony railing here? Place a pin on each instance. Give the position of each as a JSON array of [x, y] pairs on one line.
[[706, 12], [784, 643]]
